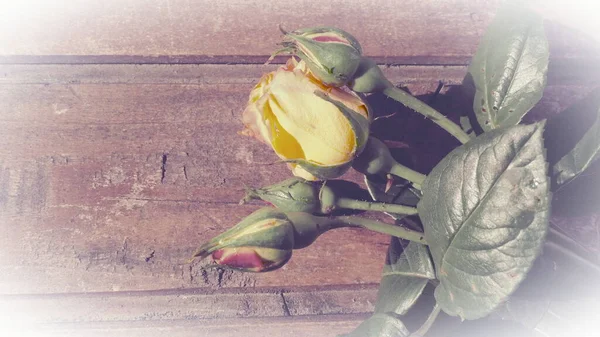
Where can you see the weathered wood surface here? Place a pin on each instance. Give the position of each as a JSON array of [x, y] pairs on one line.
[[234, 31], [238, 31], [301, 326], [324, 311], [110, 185], [191, 304], [111, 174], [110, 182]]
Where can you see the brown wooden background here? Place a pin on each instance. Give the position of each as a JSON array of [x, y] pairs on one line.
[[119, 154]]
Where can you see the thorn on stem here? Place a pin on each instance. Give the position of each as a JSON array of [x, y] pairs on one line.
[[437, 92], [389, 183]]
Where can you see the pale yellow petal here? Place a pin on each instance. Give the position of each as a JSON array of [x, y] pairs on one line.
[[254, 121], [322, 131], [284, 144]]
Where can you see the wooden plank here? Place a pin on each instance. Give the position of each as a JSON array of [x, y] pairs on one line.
[[301, 326], [203, 31], [563, 71], [184, 312], [190, 304], [109, 184], [182, 31], [68, 249], [197, 74]]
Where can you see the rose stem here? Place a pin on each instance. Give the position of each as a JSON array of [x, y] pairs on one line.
[[377, 226], [411, 175], [412, 102], [375, 206]]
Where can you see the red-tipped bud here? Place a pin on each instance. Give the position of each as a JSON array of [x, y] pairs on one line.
[[254, 259], [332, 55], [263, 241]]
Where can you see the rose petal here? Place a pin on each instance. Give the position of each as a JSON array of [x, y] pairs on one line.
[[318, 126], [239, 257]]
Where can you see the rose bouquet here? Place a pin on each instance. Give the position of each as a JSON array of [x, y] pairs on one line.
[[472, 228]]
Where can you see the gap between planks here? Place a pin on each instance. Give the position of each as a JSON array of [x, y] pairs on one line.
[[297, 326], [561, 71], [189, 304]]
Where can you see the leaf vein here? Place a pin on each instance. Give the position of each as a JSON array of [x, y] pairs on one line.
[[487, 194], [512, 80]]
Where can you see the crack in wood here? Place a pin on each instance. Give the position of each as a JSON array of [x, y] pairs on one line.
[[150, 256], [163, 168], [286, 310]]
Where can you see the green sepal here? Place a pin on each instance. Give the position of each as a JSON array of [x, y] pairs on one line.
[[297, 195], [291, 195], [368, 78], [276, 237], [286, 50], [230, 237], [307, 228], [321, 172], [375, 159]]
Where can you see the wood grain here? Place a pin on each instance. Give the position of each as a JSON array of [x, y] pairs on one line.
[[241, 32], [303, 326], [110, 185], [190, 312], [111, 175], [237, 31], [119, 154], [190, 304]]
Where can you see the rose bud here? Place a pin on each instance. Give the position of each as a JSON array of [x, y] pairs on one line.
[[251, 259], [263, 241], [331, 54], [296, 195], [317, 130], [377, 159], [319, 198]]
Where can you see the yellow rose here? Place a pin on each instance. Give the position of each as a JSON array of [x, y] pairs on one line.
[[317, 129]]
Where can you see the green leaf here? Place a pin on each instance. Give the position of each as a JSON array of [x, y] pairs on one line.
[[380, 325], [406, 272], [485, 210], [586, 151], [509, 68], [408, 266]]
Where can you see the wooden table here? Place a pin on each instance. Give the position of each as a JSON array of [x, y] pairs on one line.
[[120, 154]]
